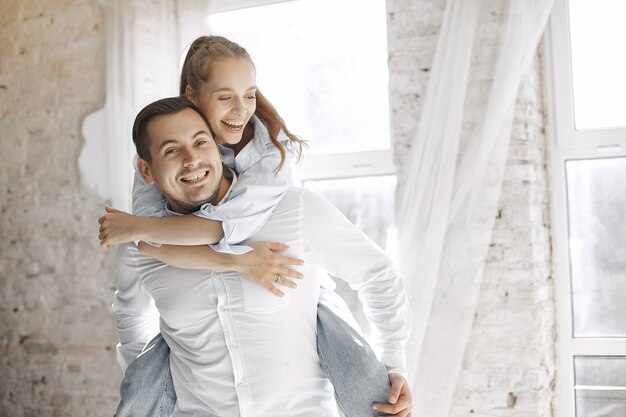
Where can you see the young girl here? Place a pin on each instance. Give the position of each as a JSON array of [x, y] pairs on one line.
[[219, 78]]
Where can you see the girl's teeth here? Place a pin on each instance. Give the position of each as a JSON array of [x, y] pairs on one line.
[[233, 125]]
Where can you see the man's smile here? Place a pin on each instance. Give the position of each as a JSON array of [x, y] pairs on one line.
[[195, 177]]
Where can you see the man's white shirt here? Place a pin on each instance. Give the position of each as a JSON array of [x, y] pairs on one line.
[[237, 349]]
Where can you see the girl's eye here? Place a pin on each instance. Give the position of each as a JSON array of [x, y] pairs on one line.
[[201, 142], [223, 98], [251, 97]]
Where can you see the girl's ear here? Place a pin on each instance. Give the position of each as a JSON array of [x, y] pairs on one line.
[[191, 95], [144, 170]]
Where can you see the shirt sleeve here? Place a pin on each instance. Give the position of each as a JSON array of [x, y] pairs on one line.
[[332, 242], [147, 199], [259, 188], [136, 317]]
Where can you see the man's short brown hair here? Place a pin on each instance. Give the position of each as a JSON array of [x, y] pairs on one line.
[[161, 107]]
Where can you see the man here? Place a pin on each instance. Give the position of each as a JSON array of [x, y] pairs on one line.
[[236, 349]]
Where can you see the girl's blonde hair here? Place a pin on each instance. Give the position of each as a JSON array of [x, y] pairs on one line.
[[207, 49]]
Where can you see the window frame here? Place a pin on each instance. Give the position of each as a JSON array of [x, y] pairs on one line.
[[332, 165], [567, 143]]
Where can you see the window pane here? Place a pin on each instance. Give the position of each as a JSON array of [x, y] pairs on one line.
[[598, 62], [369, 203], [323, 68], [597, 226], [600, 386]]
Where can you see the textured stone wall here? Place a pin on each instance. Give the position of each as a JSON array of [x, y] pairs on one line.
[[509, 367], [57, 338]]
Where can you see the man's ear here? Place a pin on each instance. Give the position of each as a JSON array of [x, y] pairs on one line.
[[144, 170], [191, 95]]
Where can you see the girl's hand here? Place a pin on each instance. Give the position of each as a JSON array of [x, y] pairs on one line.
[[118, 227], [266, 267]]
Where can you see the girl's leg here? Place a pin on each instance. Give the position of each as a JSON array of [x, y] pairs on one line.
[[358, 377], [147, 389]]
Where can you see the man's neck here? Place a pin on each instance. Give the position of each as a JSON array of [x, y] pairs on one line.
[[225, 184]]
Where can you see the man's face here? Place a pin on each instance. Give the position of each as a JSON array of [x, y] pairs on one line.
[[186, 164]]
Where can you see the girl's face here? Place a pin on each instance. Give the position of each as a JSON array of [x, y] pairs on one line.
[[228, 99]]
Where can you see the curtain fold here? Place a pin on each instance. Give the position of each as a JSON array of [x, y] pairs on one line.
[[448, 204], [145, 40]]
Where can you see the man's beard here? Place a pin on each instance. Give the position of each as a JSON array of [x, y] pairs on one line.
[[189, 205]]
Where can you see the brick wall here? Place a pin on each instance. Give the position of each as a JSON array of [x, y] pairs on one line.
[[57, 338]]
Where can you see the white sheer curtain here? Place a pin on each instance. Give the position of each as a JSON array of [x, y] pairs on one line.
[[448, 202], [144, 43]]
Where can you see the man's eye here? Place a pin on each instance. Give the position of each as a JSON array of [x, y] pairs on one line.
[[170, 151], [202, 142]]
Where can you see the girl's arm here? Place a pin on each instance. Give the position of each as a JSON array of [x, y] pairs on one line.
[[120, 227], [262, 264]]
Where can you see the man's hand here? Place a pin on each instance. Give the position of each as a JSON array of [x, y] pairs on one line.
[[399, 398], [118, 227], [266, 267]]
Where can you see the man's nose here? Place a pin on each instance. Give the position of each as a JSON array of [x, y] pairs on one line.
[[190, 158]]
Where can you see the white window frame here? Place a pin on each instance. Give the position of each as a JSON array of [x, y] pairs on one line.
[[324, 166], [566, 143]]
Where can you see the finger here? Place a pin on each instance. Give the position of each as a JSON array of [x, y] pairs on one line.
[[271, 288], [100, 220], [287, 260], [394, 392], [387, 408], [404, 413], [286, 272], [101, 229], [287, 283], [404, 402], [401, 413], [112, 210], [276, 246]]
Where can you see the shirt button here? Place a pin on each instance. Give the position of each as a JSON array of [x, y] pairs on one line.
[[221, 308]]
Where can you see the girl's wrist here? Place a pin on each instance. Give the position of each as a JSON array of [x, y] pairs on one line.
[[229, 262], [143, 228]]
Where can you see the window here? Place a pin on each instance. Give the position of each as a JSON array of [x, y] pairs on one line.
[[326, 73], [586, 63]]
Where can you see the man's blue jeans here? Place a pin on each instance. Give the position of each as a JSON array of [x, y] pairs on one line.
[[358, 378]]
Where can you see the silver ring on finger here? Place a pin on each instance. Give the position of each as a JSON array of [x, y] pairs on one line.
[[277, 278]]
